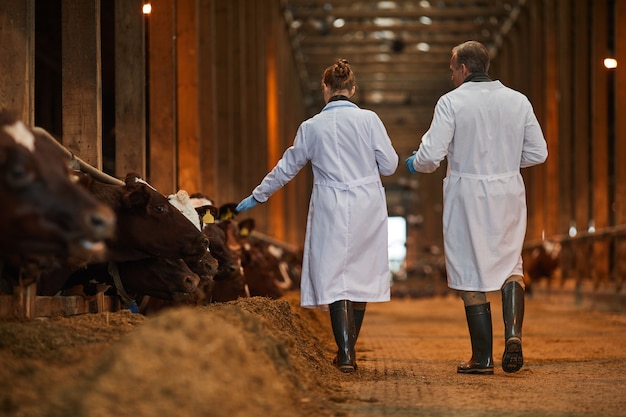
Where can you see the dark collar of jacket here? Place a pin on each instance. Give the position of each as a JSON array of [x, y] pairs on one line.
[[338, 97], [477, 78]]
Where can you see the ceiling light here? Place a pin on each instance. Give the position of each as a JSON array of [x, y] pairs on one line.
[[384, 21], [610, 63], [425, 20], [387, 5], [339, 23], [423, 46], [425, 4]]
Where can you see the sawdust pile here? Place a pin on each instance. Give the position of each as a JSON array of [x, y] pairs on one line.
[[249, 357]]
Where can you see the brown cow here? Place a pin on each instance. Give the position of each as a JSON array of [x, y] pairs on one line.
[[156, 277], [47, 219], [229, 283], [264, 267], [541, 262], [147, 226]]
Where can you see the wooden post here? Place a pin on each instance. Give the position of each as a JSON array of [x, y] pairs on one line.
[[17, 58], [551, 121], [130, 91], [209, 177], [619, 129], [599, 132], [82, 79], [187, 96], [161, 119]]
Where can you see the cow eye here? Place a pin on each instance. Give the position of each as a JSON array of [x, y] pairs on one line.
[[160, 208], [18, 176]]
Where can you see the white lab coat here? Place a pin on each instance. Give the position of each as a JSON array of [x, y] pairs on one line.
[[345, 251], [487, 132]]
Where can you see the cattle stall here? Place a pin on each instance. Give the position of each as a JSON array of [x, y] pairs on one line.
[[205, 95]]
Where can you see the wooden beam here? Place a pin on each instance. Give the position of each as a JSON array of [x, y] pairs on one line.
[[188, 136], [130, 91], [551, 121], [82, 79], [17, 58], [162, 97], [601, 206]]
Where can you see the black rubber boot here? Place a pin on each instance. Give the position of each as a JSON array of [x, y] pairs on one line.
[[481, 335], [513, 314], [342, 320], [359, 313]]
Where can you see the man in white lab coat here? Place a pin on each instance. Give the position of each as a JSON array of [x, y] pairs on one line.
[[345, 263], [488, 132]]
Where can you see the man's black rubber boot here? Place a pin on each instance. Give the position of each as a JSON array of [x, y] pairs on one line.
[[481, 335], [342, 320], [513, 314]]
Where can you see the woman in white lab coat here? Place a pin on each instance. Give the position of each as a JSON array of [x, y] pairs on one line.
[[487, 132], [345, 262]]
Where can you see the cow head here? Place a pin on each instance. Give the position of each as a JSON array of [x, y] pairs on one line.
[[229, 282], [48, 219], [167, 279], [148, 225]]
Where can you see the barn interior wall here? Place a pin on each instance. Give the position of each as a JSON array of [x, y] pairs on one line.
[[576, 99], [224, 99]]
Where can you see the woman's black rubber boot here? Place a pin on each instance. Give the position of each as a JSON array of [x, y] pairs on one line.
[[342, 320], [359, 313], [481, 335], [513, 314]]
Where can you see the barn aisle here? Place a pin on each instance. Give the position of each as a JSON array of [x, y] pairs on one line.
[[408, 351]]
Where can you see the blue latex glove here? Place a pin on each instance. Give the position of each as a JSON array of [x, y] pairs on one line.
[[409, 163], [246, 204]]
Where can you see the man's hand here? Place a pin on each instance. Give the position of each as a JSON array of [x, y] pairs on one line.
[[409, 163]]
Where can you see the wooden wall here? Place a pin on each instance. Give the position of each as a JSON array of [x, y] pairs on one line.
[[204, 95], [554, 53], [201, 95]]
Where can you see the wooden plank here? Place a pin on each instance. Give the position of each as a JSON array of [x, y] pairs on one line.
[[581, 111], [551, 120], [272, 104], [536, 185], [224, 68], [17, 58], [563, 98], [162, 98], [188, 149], [82, 79], [209, 177], [619, 25], [24, 304], [599, 135], [130, 91]]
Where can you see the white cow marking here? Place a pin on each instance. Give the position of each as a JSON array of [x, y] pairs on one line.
[[21, 135]]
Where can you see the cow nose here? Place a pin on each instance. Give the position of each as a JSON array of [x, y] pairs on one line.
[[191, 282], [102, 222]]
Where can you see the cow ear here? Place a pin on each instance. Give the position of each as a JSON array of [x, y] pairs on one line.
[[136, 197], [228, 211], [246, 227]]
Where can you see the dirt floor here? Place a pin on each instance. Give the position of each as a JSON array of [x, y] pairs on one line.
[[261, 357]]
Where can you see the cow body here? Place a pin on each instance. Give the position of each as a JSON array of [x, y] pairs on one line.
[[541, 262]]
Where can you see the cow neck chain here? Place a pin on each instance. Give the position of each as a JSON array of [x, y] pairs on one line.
[[115, 273]]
